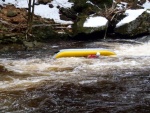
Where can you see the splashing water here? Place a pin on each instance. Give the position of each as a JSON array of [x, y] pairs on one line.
[[131, 67], [129, 57]]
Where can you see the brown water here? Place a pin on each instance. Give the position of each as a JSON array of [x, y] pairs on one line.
[[34, 82]]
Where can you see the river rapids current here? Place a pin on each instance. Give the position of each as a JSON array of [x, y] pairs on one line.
[[34, 82]]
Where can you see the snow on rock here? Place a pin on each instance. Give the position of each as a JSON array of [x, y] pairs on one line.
[[18, 3], [53, 13], [44, 10], [146, 5], [95, 22], [131, 15], [122, 5], [148, 11], [62, 3]]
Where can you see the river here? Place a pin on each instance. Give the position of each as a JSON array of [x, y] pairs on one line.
[[34, 82]]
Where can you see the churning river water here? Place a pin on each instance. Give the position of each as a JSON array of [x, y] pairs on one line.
[[34, 82]]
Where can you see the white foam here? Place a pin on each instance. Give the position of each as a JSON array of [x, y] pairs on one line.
[[81, 70], [87, 81]]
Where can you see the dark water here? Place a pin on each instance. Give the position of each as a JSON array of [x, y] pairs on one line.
[[34, 82]]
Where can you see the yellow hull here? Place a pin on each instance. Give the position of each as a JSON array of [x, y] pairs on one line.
[[82, 53]]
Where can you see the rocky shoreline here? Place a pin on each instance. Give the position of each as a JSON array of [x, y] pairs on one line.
[[13, 23]]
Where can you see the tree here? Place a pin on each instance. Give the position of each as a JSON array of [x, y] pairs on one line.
[[31, 4]]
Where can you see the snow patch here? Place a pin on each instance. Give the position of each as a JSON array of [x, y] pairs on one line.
[[95, 22], [44, 10], [146, 5], [148, 11], [131, 15]]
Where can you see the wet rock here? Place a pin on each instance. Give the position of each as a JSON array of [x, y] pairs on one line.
[[28, 44], [11, 47], [2, 68], [140, 25], [45, 32], [31, 45], [9, 38]]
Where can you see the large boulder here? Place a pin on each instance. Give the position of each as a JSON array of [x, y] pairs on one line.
[[90, 25], [90, 6], [83, 10], [140, 25], [46, 32]]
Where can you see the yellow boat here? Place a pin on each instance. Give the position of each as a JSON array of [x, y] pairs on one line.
[[82, 53]]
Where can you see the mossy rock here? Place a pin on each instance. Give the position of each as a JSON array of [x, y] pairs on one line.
[[78, 27], [46, 32], [11, 47], [7, 38], [80, 5], [102, 3], [139, 26], [11, 13]]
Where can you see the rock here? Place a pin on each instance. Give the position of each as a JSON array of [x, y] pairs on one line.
[[44, 1], [45, 33], [51, 5], [140, 25], [141, 2], [67, 13], [2, 69], [79, 5], [11, 47], [82, 7], [11, 13], [79, 27], [11, 38], [28, 44], [102, 3]]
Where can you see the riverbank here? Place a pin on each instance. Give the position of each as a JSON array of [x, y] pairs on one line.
[[71, 20]]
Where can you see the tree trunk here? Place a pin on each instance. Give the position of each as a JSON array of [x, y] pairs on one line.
[[31, 4]]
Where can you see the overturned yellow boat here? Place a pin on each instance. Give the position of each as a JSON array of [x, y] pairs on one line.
[[82, 53]]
